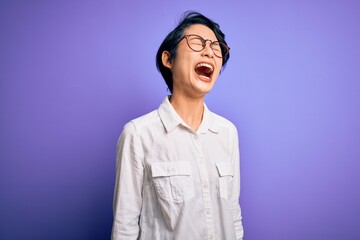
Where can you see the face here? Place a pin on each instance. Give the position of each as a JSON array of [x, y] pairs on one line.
[[194, 73]]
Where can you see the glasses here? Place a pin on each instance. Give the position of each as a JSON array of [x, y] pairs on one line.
[[197, 44]]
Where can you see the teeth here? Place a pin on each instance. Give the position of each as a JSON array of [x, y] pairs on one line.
[[204, 65]]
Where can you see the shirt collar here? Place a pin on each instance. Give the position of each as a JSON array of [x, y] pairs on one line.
[[171, 119]]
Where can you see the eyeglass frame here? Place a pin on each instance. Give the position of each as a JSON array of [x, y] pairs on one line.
[[222, 45]]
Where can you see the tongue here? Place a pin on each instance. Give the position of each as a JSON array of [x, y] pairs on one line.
[[203, 71]]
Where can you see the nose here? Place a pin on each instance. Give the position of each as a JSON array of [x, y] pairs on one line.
[[208, 50]]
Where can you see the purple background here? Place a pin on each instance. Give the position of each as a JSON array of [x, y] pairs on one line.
[[72, 73]]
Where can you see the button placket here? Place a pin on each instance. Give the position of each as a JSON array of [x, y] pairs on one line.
[[204, 186]]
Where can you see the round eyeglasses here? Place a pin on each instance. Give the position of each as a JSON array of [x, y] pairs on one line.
[[197, 44]]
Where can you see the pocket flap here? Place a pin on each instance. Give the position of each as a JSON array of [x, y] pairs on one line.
[[224, 169], [166, 169]]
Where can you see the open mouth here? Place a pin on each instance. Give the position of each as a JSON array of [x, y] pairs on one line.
[[204, 69]]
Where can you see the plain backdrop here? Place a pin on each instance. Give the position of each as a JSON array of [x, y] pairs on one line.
[[72, 73]]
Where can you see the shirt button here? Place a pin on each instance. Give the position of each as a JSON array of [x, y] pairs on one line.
[[211, 236], [208, 211]]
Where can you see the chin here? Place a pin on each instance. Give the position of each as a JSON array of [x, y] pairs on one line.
[[204, 90]]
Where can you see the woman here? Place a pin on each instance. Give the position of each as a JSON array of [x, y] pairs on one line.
[[178, 166]]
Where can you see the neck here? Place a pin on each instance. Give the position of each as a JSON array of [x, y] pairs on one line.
[[189, 109]]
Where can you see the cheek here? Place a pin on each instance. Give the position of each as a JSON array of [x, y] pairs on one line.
[[183, 65], [219, 64], [218, 70], [180, 69]]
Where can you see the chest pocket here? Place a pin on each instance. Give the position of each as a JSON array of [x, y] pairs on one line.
[[173, 181], [226, 174]]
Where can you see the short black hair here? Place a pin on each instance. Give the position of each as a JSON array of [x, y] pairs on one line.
[[172, 39]]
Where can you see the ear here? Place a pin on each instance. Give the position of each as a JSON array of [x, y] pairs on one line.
[[165, 58]]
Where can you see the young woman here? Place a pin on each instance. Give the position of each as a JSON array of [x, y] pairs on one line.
[[178, 171]]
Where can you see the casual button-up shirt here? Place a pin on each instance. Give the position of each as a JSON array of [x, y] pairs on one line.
[[173, 183]]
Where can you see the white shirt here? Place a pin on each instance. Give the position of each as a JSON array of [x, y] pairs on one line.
[[176, 184]]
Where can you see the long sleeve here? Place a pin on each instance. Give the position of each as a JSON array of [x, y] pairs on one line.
[[128, 185], [235, 191]]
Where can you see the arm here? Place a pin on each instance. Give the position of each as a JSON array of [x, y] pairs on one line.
[[235, 191], [128, 185]]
